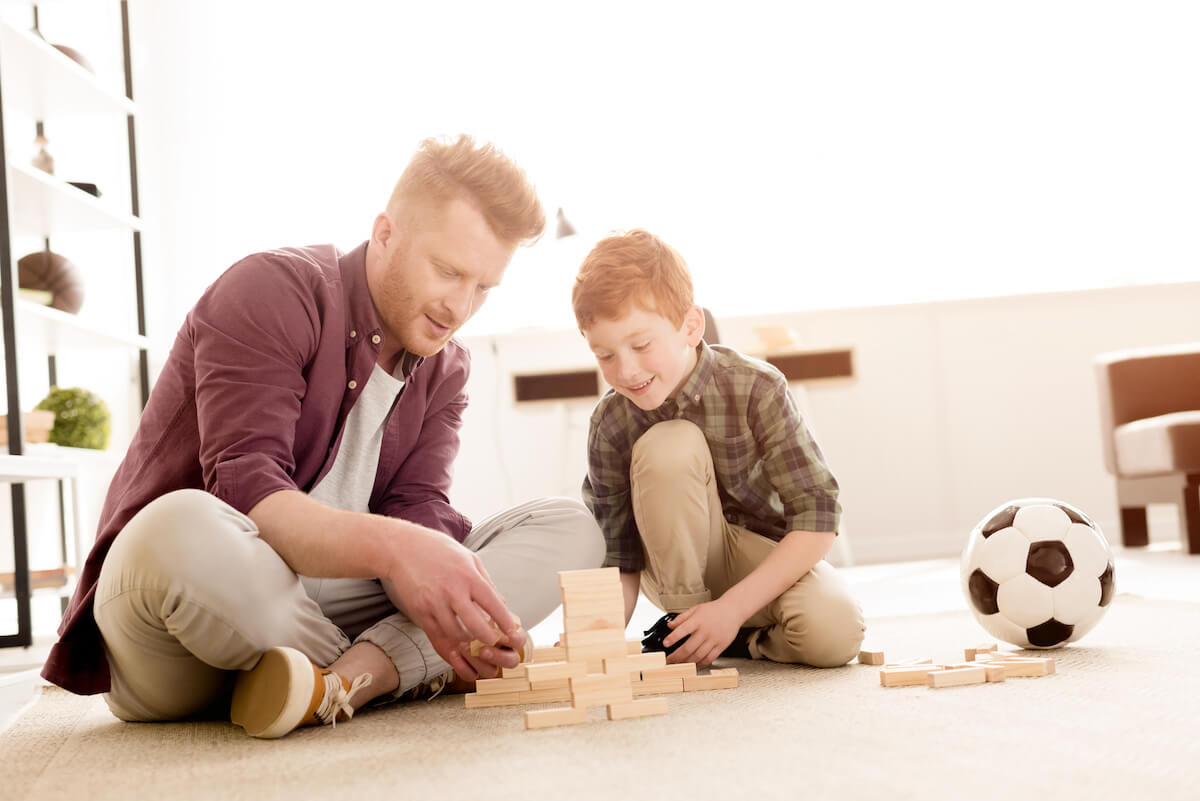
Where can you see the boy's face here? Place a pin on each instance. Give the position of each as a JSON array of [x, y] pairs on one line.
[[643, 356]]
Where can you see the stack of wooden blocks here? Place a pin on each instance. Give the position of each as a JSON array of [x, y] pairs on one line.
[[981, 664], [594, 665]]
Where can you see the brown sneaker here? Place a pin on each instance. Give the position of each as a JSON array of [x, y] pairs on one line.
[[285, 691]]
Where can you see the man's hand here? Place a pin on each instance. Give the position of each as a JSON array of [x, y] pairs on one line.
[[709, 627], [443, 588], [487, 660]]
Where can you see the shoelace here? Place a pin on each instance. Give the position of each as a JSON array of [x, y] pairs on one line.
[[434, 687], [337, 697]]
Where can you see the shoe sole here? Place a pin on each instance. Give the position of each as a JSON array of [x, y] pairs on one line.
[[271, 699]]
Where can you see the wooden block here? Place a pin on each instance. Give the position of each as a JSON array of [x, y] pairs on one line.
[[970, 653], [477, 701], [911, 662], [657, 686], [598, 681], [577, 578], [614, 637], [870, 657], [637, 709], [501, 685], [592, 593], [724, 679], [633, 646], [545, 718], [596, 653], [517, 672], [540, 672], [994, 672], [635, 663], [593, 622], [550, 684], [906, 676], [599, 608], [545, 695], [555, 654], [680, 671], [1026, 668], [956, 677], [602, 697]]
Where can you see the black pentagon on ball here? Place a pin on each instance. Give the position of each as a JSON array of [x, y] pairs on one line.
[[1049, 634], [1107, 585], [983, 592], [1001, 520], [1049, 562]]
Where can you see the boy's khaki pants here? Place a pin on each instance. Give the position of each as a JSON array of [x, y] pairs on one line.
[[188, 594], [694, 555]]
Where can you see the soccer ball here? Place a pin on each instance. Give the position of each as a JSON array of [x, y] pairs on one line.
[[1037, 573]]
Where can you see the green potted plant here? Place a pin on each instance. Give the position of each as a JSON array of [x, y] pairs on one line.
[[81, 418]]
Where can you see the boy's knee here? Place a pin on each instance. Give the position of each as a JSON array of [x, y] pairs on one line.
[[829, 635], [670, 445]]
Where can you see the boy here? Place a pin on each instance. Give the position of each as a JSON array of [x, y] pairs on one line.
[[713, 498]]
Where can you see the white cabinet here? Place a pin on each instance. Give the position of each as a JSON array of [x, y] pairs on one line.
[[102, 347]]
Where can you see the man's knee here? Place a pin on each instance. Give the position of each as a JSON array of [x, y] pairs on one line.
[[182, 530], [580, 537]]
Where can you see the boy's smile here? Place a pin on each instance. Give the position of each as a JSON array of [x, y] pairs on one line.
[[643, 356]]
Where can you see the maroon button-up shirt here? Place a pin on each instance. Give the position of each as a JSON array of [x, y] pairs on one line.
[[253, 400]]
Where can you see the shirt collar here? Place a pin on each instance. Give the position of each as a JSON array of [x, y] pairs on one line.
[[362, 323], [690, 394]]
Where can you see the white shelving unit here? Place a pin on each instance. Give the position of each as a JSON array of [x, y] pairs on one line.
[[40, 83]]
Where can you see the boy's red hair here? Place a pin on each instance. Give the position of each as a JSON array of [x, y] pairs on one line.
[[633, 268]]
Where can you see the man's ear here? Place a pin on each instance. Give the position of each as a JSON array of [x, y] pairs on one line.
[[382, 231], [693, 325]]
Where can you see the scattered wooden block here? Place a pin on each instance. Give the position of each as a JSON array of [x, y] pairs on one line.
[[545, 718], [720, 679], [911, 662], [955, 677], [969, 654], [637, 709], [870, 657], [906, 676]]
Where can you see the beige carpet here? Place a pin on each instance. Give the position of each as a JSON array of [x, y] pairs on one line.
[[1120, 720]]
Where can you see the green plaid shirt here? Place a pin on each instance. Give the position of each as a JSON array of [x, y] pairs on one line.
[[770, 473]]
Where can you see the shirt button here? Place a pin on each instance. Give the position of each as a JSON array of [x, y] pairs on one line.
[[352, 384], [353, 333], [696, 398], [375, 339]]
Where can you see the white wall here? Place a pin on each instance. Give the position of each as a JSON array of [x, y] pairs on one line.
[[955, 407]]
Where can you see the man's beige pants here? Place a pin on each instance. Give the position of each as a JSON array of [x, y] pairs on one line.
[[694, 555], [189, 594]]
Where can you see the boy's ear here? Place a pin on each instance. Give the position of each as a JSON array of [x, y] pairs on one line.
[[693, 325]]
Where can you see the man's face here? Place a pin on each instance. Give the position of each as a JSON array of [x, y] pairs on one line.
[[433, 275], [643, 356]]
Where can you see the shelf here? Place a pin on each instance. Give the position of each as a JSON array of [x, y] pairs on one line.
[[17, 469], [58, 330], [47, 205], [43, 81]]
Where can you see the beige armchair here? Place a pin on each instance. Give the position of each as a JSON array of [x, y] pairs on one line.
[[1150, 416]]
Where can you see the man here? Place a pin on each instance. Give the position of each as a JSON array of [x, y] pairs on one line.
[[279, 532]]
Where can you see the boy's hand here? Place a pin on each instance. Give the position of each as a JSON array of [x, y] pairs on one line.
[[709, 628]]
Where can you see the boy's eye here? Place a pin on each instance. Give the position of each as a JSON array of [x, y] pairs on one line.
[[641, 346], [603, 357]]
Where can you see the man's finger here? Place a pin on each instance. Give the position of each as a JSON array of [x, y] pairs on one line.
[[489, 601], [476, 622]]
